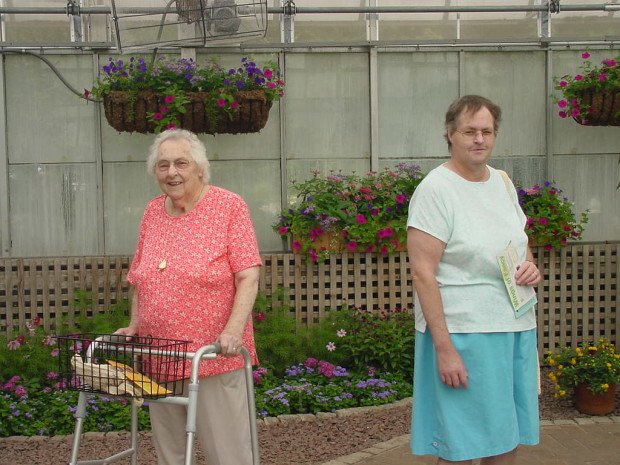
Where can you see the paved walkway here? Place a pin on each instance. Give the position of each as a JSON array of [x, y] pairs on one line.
[[583, 441]]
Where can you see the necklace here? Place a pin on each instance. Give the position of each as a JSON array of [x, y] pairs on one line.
[[164, 262]]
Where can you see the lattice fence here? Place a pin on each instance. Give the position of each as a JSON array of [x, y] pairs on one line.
[[577, 299]]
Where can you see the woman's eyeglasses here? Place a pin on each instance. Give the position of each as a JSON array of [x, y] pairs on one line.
[[180, 165], [471, 133]]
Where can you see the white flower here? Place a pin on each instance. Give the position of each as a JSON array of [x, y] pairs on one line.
[[330, 346], [341, 333]]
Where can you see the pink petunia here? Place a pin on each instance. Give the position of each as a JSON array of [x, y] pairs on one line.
[[352, 245], [296, 245], [562, 103], [283, 230], [401, 198], [585, 55], [602, 77], [158, 116], [578, 77], [271, 85], [563, 114], [268, 73], [574, 113], [361, 219], [171, 126], [221, 102], [563, 83], [234, 105], [86, 93], [610, 63], [169, 98], [543, 221], [164, 109]]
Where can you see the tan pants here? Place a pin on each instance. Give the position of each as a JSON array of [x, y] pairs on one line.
[[222, 423]]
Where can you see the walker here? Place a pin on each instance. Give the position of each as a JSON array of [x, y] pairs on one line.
[[139, 369]]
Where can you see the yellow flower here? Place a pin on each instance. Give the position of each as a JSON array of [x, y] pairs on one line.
[[605, 386], [573, 361]]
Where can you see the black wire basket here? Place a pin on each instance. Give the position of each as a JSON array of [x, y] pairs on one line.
[[140, 366]]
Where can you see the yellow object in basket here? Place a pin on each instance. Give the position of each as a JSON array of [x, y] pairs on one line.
[[149, 386]]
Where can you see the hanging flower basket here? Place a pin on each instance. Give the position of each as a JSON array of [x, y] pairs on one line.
[[604, 107], [128, 112]]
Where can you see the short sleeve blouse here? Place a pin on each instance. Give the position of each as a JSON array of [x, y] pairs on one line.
[[191, 297]]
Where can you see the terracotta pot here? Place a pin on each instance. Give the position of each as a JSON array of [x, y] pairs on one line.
[[128, 113], [594, 404], [605, 106]]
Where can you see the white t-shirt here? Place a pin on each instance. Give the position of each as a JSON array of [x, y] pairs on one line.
[[476, 221]]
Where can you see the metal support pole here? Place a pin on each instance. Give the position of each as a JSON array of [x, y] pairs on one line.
[[76, 24], [289, 10]]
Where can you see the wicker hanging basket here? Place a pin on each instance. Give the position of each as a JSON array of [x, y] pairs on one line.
[[605, 106], [127, 112]]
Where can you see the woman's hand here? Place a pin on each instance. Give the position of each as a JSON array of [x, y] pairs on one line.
[[528, 274], [452, 371], [231, 343]]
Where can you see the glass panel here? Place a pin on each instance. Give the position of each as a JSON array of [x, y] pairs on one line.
[[327, 105], [53, 210], [257, 182], [330, 27], [36, 27], [590, 181], [127, 188], [415, 90], [516, 82], [584, 24], [38, 101]]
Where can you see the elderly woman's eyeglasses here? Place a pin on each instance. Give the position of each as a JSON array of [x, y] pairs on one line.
[[180, 165], [471, 133]]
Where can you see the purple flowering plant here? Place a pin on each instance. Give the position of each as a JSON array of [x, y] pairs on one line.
[[360, 213], [551, 219], [173, 77], [603, 77], [319, 386]]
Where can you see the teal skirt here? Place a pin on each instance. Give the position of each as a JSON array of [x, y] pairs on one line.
[[496, 413]]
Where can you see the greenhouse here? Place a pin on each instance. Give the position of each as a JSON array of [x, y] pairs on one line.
[[323, 116]]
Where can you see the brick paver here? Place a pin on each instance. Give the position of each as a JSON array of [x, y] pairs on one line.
[[588, 441]]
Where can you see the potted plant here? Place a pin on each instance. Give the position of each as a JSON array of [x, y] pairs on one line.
[[592, 96], [178, 92], [590, 371], [350, 212], [551, 220]]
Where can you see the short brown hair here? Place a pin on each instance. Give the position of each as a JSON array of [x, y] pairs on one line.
[[470, 104]]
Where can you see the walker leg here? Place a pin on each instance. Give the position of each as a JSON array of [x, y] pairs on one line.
[[134, 432], [80, 414], [190, 428]]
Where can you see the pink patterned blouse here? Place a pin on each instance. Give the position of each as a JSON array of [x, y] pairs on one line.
[[184, 270]]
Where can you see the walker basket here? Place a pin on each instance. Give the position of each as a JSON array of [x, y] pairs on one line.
[[143, 366]]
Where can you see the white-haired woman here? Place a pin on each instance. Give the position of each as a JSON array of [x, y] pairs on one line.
[[194, 277]]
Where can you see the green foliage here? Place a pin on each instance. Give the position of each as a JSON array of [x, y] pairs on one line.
[[550, 216], [276, 332], [367, 212], [381, 339]]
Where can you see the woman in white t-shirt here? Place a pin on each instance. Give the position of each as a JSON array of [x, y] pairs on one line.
[[476, 363]]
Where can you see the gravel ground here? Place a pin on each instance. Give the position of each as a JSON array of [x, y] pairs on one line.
[[313, 441]]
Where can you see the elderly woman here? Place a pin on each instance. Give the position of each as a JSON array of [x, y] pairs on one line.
[[475, 375], [194, 277]]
